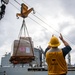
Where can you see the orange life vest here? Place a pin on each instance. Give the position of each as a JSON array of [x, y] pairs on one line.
[[56, 63]]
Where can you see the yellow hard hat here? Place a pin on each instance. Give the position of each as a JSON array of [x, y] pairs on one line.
[[54, 42]]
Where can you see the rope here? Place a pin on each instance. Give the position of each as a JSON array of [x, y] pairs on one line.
[[17, 2], [21, 29], [19, 37], [29, 38], [14, 6], [39, 18], [25, 28], [46, 24], [39, 24]]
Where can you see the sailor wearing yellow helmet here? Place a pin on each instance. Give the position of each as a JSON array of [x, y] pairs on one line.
[[55, 57]]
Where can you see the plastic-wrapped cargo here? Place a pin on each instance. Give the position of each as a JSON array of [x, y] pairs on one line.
[[23, 47], [23, 50]]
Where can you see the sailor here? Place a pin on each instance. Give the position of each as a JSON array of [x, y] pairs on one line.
[[55, 57]]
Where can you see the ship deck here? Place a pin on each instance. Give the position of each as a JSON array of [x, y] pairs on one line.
[[28, 71]]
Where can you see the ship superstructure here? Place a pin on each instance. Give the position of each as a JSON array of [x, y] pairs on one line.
[[34, 68]]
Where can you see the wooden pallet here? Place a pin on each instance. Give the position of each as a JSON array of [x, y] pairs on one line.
[[21, 59]]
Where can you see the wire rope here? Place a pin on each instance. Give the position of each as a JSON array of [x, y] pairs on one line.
[[41, 20], [46, 23]]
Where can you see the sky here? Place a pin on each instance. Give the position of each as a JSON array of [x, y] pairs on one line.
[[51, 17]]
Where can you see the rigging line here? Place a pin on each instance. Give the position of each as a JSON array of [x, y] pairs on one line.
[[28, 36], [26, 28], [23, 27], [26, 3], [44, 22], [41, 19], [39, 24], [20, 31], [38, 17], [28, 16], [51, 27], [30, 6], [14, 6], [35, 10], [31, 18], [17, 2]]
